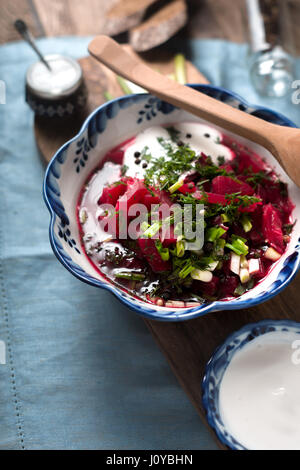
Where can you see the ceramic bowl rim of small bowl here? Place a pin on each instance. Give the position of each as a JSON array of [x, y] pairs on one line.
[[229, 347], [148, 310]]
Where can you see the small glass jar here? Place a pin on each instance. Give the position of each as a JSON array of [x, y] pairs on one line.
[[56, 93], [271, 63]]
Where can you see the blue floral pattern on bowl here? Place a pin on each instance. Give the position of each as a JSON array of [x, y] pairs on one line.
[[109, 125], [218, 364]]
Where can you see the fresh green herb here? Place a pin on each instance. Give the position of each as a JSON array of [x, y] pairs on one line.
[[124, 169], [166, 171], [283, 188], [256, 178], [173, 133], [288, 228], [231, 211], [132, 276], [145, 154], [210, 171], [240, 290]]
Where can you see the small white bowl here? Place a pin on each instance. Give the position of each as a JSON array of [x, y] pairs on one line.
[[220, 360]]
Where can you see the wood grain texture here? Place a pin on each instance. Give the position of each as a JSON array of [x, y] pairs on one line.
[[12, 10], [189, 345], [99, 79], [88, 17], [223, 19], [69, 17], [159, 27], [128, 7]]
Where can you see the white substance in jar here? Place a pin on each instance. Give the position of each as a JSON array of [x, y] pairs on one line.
[[63, 78], [260, 393]]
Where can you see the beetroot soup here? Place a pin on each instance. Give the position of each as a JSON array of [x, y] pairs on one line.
[[184, 215]]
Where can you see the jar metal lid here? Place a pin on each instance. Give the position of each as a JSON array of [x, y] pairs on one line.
[[63, 80]]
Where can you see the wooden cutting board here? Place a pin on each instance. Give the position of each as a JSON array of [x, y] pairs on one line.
[[186, 345]]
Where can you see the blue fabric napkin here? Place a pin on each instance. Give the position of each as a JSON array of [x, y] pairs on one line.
[[82, 372]]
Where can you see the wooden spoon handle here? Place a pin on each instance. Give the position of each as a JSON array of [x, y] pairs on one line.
[[110, 53]]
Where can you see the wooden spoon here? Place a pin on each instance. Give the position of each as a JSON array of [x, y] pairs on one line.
[[282, 142]]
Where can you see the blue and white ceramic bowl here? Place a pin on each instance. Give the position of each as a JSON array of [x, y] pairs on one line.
[[111, 124], [218, 364]]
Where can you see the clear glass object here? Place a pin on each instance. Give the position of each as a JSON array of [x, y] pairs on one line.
[[271, 63], [271, 72]]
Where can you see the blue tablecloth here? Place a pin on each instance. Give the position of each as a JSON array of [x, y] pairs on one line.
[[81, 371]]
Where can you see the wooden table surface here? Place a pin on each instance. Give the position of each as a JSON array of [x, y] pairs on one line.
[[208, 18]]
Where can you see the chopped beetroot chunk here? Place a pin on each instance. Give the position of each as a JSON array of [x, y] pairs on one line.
[[250, 162], [227, 167], [228, 285], [135, 192], [272, 228], [187, 188], [165, 198], [168, 237], [151, 199], [111, 193], [207, 288], [150, 252], [227, 185]]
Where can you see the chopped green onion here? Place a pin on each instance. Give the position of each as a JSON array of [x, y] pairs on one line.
[[123, 84], [130, 276], [238, 245], [164, 252], [186, 270], [224, 218], [179, 63], [176, 186], [108, 96], [244, 275], [238, 237], [201, 275], [144, 226], [214, 233], [152, 230], [180, 248], [244, 262], [246, 223]]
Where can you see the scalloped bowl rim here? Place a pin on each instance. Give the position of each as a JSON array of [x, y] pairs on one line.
[[146, 310]]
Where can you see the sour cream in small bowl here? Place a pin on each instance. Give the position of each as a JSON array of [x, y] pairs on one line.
[[251, 387]]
